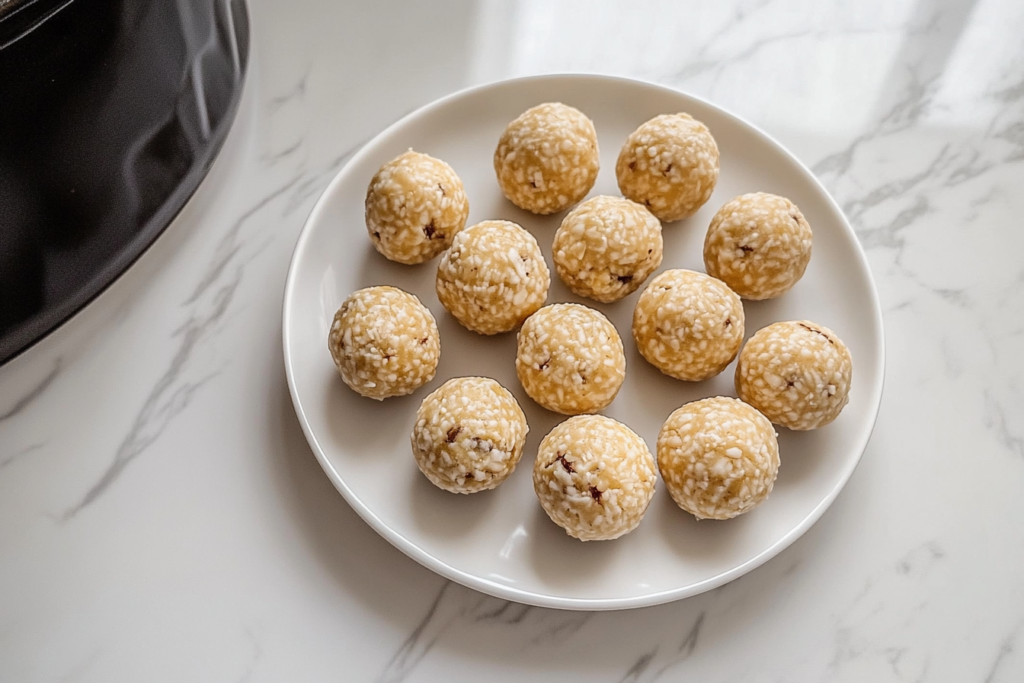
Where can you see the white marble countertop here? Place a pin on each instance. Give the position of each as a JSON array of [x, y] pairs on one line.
[[162, 518]]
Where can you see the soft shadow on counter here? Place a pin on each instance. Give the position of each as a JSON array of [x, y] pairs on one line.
[[440, 513], [364, 565], [446, 616]]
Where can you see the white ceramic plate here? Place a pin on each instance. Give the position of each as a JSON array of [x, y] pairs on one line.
[[501, 542]]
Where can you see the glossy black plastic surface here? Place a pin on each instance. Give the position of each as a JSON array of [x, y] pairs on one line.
[[111, 113]]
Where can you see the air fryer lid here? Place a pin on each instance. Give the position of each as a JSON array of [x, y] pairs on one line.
[[113, 111]]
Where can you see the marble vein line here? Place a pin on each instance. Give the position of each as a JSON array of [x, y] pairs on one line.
[[921, 559], [306, 189], [414, 648], [633, 675], [506, 613], [900, 116], [908, 110], [895, 188], [458, 608], [166, 400], [33, 393], [998, 425], [562, 626], [973, 167], [272, 158], [313, 185], [228, 246], [660, 660], [686, 647], [18, 455], [954, 297], [1011, 93], [856, 641], [701, 66], [1002, 142], [169, 397], [739, 17], [298, 91], [696, 68], [1005, 650], [891, 234]]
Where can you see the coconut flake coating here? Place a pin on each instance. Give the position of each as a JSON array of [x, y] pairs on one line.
[[670, 165], [594, 477], [797, 373], [570, 359], [688, 325], [469, 435], [415, 205], [547, 158], [606, 247], [759, 244], [384, 342], [493, 277], [719, 457]]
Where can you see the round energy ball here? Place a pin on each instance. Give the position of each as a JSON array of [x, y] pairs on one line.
[[606, 247], [759, 244], [493, 277], [594, 477], [414, 207], [797, 373], [688, 325], [670, 165], [547, 158], [569, 359], [469, 435], [384, 342], [718, 456]]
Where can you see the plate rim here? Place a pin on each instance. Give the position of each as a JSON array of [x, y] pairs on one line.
[[504, 591]]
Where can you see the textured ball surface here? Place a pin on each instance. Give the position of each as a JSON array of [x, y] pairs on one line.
[[759, 244], [493, 277], [569, 359], [797, 373], [469, 435], [384, 342], [719, 457], [594, 477], [547, 158], [670, 165], [415, 205], [607, 247], [688, 325]]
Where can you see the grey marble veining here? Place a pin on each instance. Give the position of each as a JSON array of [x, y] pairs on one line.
[[24, 400]]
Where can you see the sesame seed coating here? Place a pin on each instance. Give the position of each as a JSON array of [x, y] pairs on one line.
[[384, 342], [606, 247], [718, 456], [670, 165], [569, 359], [415, 205], [493, 277], [547, 158], [688, 325], [469, 435], [797, 373], [759, 244], [594, 477]]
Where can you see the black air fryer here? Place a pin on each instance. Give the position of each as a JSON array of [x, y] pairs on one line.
[[111, 113]]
